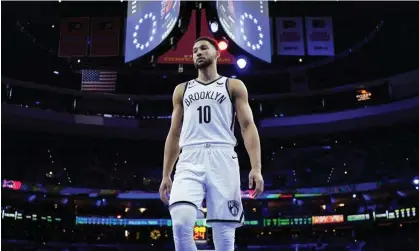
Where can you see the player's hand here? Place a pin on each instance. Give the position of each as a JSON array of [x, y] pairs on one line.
[[165, 188], [255, 178]]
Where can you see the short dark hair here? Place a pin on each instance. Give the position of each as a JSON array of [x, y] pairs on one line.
[[209, 40]]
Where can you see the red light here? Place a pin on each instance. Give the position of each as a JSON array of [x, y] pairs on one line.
[[285, 196], [222, 45], [13, 184], [118, 216]]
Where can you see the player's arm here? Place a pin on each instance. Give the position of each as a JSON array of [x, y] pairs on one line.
[[247, 125], [171, 147], [249, 132]]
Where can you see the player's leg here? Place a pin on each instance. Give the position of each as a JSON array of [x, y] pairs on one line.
[[223, 235], [187, 194], [183, 220], [224, 205], [185, 199]]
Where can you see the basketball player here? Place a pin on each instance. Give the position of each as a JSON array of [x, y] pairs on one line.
[[202, 127]]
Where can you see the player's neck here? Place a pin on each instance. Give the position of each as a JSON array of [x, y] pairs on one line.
[[208, 74]]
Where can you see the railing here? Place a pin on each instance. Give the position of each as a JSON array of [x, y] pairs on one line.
[[160, 106]]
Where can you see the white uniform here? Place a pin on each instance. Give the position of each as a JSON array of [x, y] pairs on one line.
[[208, 165]]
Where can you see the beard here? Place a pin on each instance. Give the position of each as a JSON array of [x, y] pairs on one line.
[[204, 63]]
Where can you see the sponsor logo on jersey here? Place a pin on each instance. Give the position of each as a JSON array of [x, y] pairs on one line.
[[204, 95]]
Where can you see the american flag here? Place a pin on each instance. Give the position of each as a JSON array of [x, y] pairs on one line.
[[98, 80]]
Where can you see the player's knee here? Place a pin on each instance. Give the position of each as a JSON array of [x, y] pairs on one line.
[[183, 220], [223, 235], [223, 230]]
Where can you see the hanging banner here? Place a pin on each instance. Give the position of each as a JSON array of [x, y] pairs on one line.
[[105, 36], [225, 57], [183, 52], [289, 36], [319, 35], [74, 37]]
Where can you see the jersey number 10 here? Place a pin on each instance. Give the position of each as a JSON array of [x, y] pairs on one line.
[[204, 114]]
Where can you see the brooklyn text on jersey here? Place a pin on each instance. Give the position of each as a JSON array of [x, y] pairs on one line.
[[208, 95]]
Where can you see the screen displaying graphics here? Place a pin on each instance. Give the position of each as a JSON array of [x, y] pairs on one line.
[[358, 217], [119, 221], [200, 233], [16, 215], [294, 221], [148, 24], [363, 95], [403, 213], [247, 24], [328, 219]]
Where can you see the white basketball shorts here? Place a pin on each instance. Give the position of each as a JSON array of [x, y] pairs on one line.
[[212, 172]]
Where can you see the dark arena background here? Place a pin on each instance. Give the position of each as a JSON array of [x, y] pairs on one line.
[[86, 105]]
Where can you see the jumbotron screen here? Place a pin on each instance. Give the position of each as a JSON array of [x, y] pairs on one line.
[[247, 24], [148, 24]]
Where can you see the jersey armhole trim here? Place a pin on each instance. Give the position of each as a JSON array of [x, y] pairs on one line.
[[233, 106], [228, 90], [184, 91]]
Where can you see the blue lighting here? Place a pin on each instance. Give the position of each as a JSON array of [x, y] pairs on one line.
[[32, 198], [241, 63]]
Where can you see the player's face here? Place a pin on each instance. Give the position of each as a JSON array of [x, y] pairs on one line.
[[204, 54]]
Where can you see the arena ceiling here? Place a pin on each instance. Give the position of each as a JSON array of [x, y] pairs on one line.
[[33, 30]]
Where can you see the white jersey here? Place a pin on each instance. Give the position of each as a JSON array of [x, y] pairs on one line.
[[208, 114]]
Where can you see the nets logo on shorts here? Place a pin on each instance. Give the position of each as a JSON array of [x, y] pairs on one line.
[[233, 207]]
